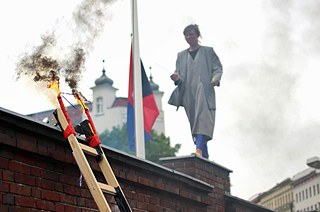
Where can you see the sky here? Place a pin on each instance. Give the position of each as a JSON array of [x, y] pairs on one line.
[[267, 118]]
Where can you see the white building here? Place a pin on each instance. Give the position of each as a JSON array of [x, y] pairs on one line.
[[306, 190], [109, 111]]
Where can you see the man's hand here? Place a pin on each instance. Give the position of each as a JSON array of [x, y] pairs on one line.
[[215, 81], [175, 77]]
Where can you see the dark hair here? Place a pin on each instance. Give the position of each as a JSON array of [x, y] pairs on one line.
[[194, 27]]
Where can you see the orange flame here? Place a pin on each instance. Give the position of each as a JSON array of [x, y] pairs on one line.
[[79, 97], [55, 86]]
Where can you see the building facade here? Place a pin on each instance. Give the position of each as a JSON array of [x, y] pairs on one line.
[[279, 198], [306, 190], [301, 193]]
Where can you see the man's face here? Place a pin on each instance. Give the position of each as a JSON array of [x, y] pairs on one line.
[[191, 37]]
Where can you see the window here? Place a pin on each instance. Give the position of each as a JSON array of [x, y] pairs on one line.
[[314, 190], [99, 105], [299, 196], [307, 194], [310, 192]]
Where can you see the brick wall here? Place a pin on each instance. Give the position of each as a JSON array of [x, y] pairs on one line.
[[206, 171], [38, 173]]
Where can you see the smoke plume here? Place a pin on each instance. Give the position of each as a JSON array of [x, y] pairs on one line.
[[67, 61]]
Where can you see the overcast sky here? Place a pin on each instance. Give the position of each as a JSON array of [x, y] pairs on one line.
[[268, 120]]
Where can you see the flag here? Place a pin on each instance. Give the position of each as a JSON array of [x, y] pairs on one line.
[[150, 109]]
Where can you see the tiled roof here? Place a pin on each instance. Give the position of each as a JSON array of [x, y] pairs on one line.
[[120, 102]]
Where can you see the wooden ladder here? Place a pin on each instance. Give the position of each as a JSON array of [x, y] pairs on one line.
[[79, 150]]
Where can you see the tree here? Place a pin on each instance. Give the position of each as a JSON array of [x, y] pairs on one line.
[[157, 148]]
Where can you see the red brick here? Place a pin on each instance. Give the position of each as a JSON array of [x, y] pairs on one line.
[[43, 164], [45, 184], [4, 186], [132, 178], [24, 158], [50, 195], [45, 205], [5, 153], [184, 193], [144, 181], [42, 150], [25, 201], [160, 185], [8, 199], [27, 142], [59, 153], [44, 146], [154, 201], [85, 193], [58, 186], [3, 208], [90, 203], [81, 202], [24, 179], [69, 208], [35, 171], [68, 199], [20, 189], [36, 192], [72, 171], [4, 163], [67, 179], [152, 207], [166, 203], [172, 189], [7, 136], [19, 167], [8, 175], [142, 205], [50, 175], [71, 190], [59, 207], [122, 174]]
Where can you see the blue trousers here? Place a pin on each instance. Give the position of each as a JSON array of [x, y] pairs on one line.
[[201, 143]]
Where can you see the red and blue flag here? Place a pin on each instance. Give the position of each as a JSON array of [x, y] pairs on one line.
[[150, 109]]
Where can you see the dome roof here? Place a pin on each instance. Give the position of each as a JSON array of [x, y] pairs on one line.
[[103, 79]]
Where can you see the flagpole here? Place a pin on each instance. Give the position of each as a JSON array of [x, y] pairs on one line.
[[137, 85]]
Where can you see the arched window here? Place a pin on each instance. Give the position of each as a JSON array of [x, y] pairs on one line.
[[99, 105]]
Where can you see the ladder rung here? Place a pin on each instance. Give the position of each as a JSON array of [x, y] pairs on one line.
[[89, 150], [107, 188]]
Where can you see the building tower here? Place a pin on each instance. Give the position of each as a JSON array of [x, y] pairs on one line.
[[109, 111]]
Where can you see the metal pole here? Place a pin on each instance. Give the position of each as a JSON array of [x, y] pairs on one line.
[[137, 86]]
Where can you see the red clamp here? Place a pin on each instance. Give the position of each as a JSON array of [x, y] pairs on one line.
[[68, 131], [94, 140]]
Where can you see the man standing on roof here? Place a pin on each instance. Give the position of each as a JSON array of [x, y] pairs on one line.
[[198, 71]]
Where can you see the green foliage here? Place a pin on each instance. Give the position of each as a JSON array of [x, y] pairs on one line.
[[160, 147], [117, 139], [157, 148]]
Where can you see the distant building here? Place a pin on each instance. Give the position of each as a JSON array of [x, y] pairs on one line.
[[306, 190], [301, 193], [106, 109], [278, 198]]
